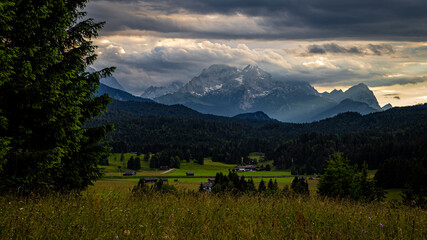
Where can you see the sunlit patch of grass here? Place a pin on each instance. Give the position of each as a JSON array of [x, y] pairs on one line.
[[394, 194]]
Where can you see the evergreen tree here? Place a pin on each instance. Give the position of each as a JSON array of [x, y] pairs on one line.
[[339, 178], [154, 161], [200, 159], [342, 180], [137, 163], [131, 163], [232, 183], [300, 186], [275, 185], [261, 187], [122, 157], [270, 184], [272, 187], [46, 96], [251, 185]]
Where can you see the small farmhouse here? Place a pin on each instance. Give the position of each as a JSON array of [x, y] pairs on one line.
[[190, 173], [247, 168], [207, 186], [129, 173], [164, 168], [149, 180]]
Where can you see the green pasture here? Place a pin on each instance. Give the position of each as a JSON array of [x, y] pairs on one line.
[[210, 168], [114, 163]]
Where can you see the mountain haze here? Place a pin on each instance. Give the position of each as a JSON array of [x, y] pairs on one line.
[[119, 94], [111, 81], [153, 92]]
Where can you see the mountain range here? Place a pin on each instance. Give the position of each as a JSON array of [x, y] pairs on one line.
[[229, 91]]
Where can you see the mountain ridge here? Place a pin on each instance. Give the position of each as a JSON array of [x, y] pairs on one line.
[[228, 91], [260, 115], [118, 94], [359, 93]]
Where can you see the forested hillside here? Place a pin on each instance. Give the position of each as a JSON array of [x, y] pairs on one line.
[[304, 148]]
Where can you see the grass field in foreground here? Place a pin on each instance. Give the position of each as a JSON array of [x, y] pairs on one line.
[[108, 211]]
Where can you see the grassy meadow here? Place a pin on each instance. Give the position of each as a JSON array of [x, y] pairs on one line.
[[108, 210]]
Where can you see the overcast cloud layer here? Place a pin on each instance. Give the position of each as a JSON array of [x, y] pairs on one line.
[[329, 43]]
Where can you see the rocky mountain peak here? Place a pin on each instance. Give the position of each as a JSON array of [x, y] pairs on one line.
[[359, 92], [225, 90], [386, 107]]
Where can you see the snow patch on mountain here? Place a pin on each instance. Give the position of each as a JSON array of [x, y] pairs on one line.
[[210, 89], [239, 79]]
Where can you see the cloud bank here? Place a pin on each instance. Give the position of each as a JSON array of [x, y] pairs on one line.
[[326, 43]]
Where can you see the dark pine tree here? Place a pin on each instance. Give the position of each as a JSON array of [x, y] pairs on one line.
[[46, 96], [261, 187]]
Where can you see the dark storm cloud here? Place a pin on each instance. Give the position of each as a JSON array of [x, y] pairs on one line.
[[119, 19], [280, 19], [333, 48]]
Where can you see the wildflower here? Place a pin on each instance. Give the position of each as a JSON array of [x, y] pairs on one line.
[[363, 231], [369, 218], [21, 208], [381, 225], [117, 237], [126, 232]]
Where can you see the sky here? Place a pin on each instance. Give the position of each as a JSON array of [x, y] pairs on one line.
[[332, 44]]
